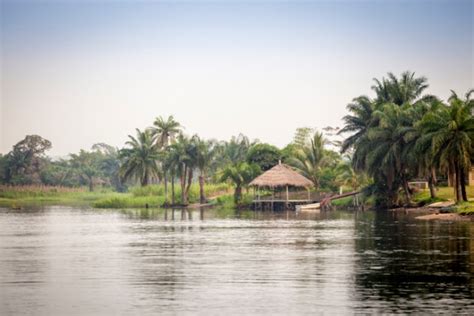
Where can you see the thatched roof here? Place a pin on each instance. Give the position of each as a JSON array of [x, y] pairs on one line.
[[281, 176]]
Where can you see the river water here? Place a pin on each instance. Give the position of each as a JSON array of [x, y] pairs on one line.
[[73, 261]]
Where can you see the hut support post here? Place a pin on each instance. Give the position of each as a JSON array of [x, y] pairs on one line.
[[286, 204], [273, 197], [309, 195]]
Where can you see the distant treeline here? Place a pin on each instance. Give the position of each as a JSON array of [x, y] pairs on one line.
[[397, 136]]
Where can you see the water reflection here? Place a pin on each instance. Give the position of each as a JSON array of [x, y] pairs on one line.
[[60, 260], [412, 263]]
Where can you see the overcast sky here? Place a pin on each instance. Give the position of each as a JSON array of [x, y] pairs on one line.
[[78, 74]]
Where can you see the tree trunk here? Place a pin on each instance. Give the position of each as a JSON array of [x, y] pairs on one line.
[[145, 179], [183, 185], [188, 186], [432, 182], [202, 198], [462, 180], [173, 196], [91, 184], [166, 187], [457, 183], [406, 188], [237, 194]]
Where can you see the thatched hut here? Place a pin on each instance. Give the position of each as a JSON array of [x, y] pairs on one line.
[[281, 177]]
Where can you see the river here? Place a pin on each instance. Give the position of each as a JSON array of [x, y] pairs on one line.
[[82, 261]]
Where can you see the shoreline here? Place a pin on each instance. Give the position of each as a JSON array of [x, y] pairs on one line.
[[435, 214]]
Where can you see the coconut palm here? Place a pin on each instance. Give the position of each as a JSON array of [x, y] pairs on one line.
[[165, 131], [358, 123], [205, 154], [240, 174], [309, 160], [451, 129], [406, 89], [183, 154], [139, 160], [390, 153]]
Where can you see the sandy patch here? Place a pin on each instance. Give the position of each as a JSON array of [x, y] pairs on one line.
[[446, 217]]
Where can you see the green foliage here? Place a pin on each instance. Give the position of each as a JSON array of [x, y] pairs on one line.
[[264, 155], [129, 202], [228, 201], [390, 135], [240, 175], [302, 136], [140, 158], [24, 162], [310, 159]]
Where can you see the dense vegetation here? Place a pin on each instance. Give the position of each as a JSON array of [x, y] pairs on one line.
[[162, 156], [402, 134], [391, 139]]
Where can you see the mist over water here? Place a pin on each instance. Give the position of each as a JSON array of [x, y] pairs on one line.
[[72, 261]]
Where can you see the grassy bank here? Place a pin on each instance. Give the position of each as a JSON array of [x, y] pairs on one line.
[[18, 196], [136, 197], [445, 194]]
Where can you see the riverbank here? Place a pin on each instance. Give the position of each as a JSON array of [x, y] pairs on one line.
[[136, 197]]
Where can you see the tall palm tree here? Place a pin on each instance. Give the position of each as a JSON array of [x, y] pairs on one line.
[[451, 129], [359, 122], [165, 131], [406, 89], [139, 160], [390, 153], [205, 154], [310, 159], [183, 154], [382, 135]]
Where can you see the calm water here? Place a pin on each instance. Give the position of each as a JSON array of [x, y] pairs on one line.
[[69, 261]]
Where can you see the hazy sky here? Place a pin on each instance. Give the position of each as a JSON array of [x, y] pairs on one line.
[[81, 73]]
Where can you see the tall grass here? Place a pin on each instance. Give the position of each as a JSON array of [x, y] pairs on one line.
[[210, 190], [137, 197], [13, 192], [154, 195]]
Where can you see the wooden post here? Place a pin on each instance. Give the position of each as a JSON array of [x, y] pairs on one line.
[[286, 204], [309, 194], [273, 197]]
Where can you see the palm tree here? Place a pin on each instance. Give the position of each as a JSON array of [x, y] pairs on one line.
[[205, 154], [139, 161], [382, 130], [309, 160], [346, 175], [390, 153], [406, 89], [165, 132], [240, 175], [359, 122], [183, 154], [451, 129]]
